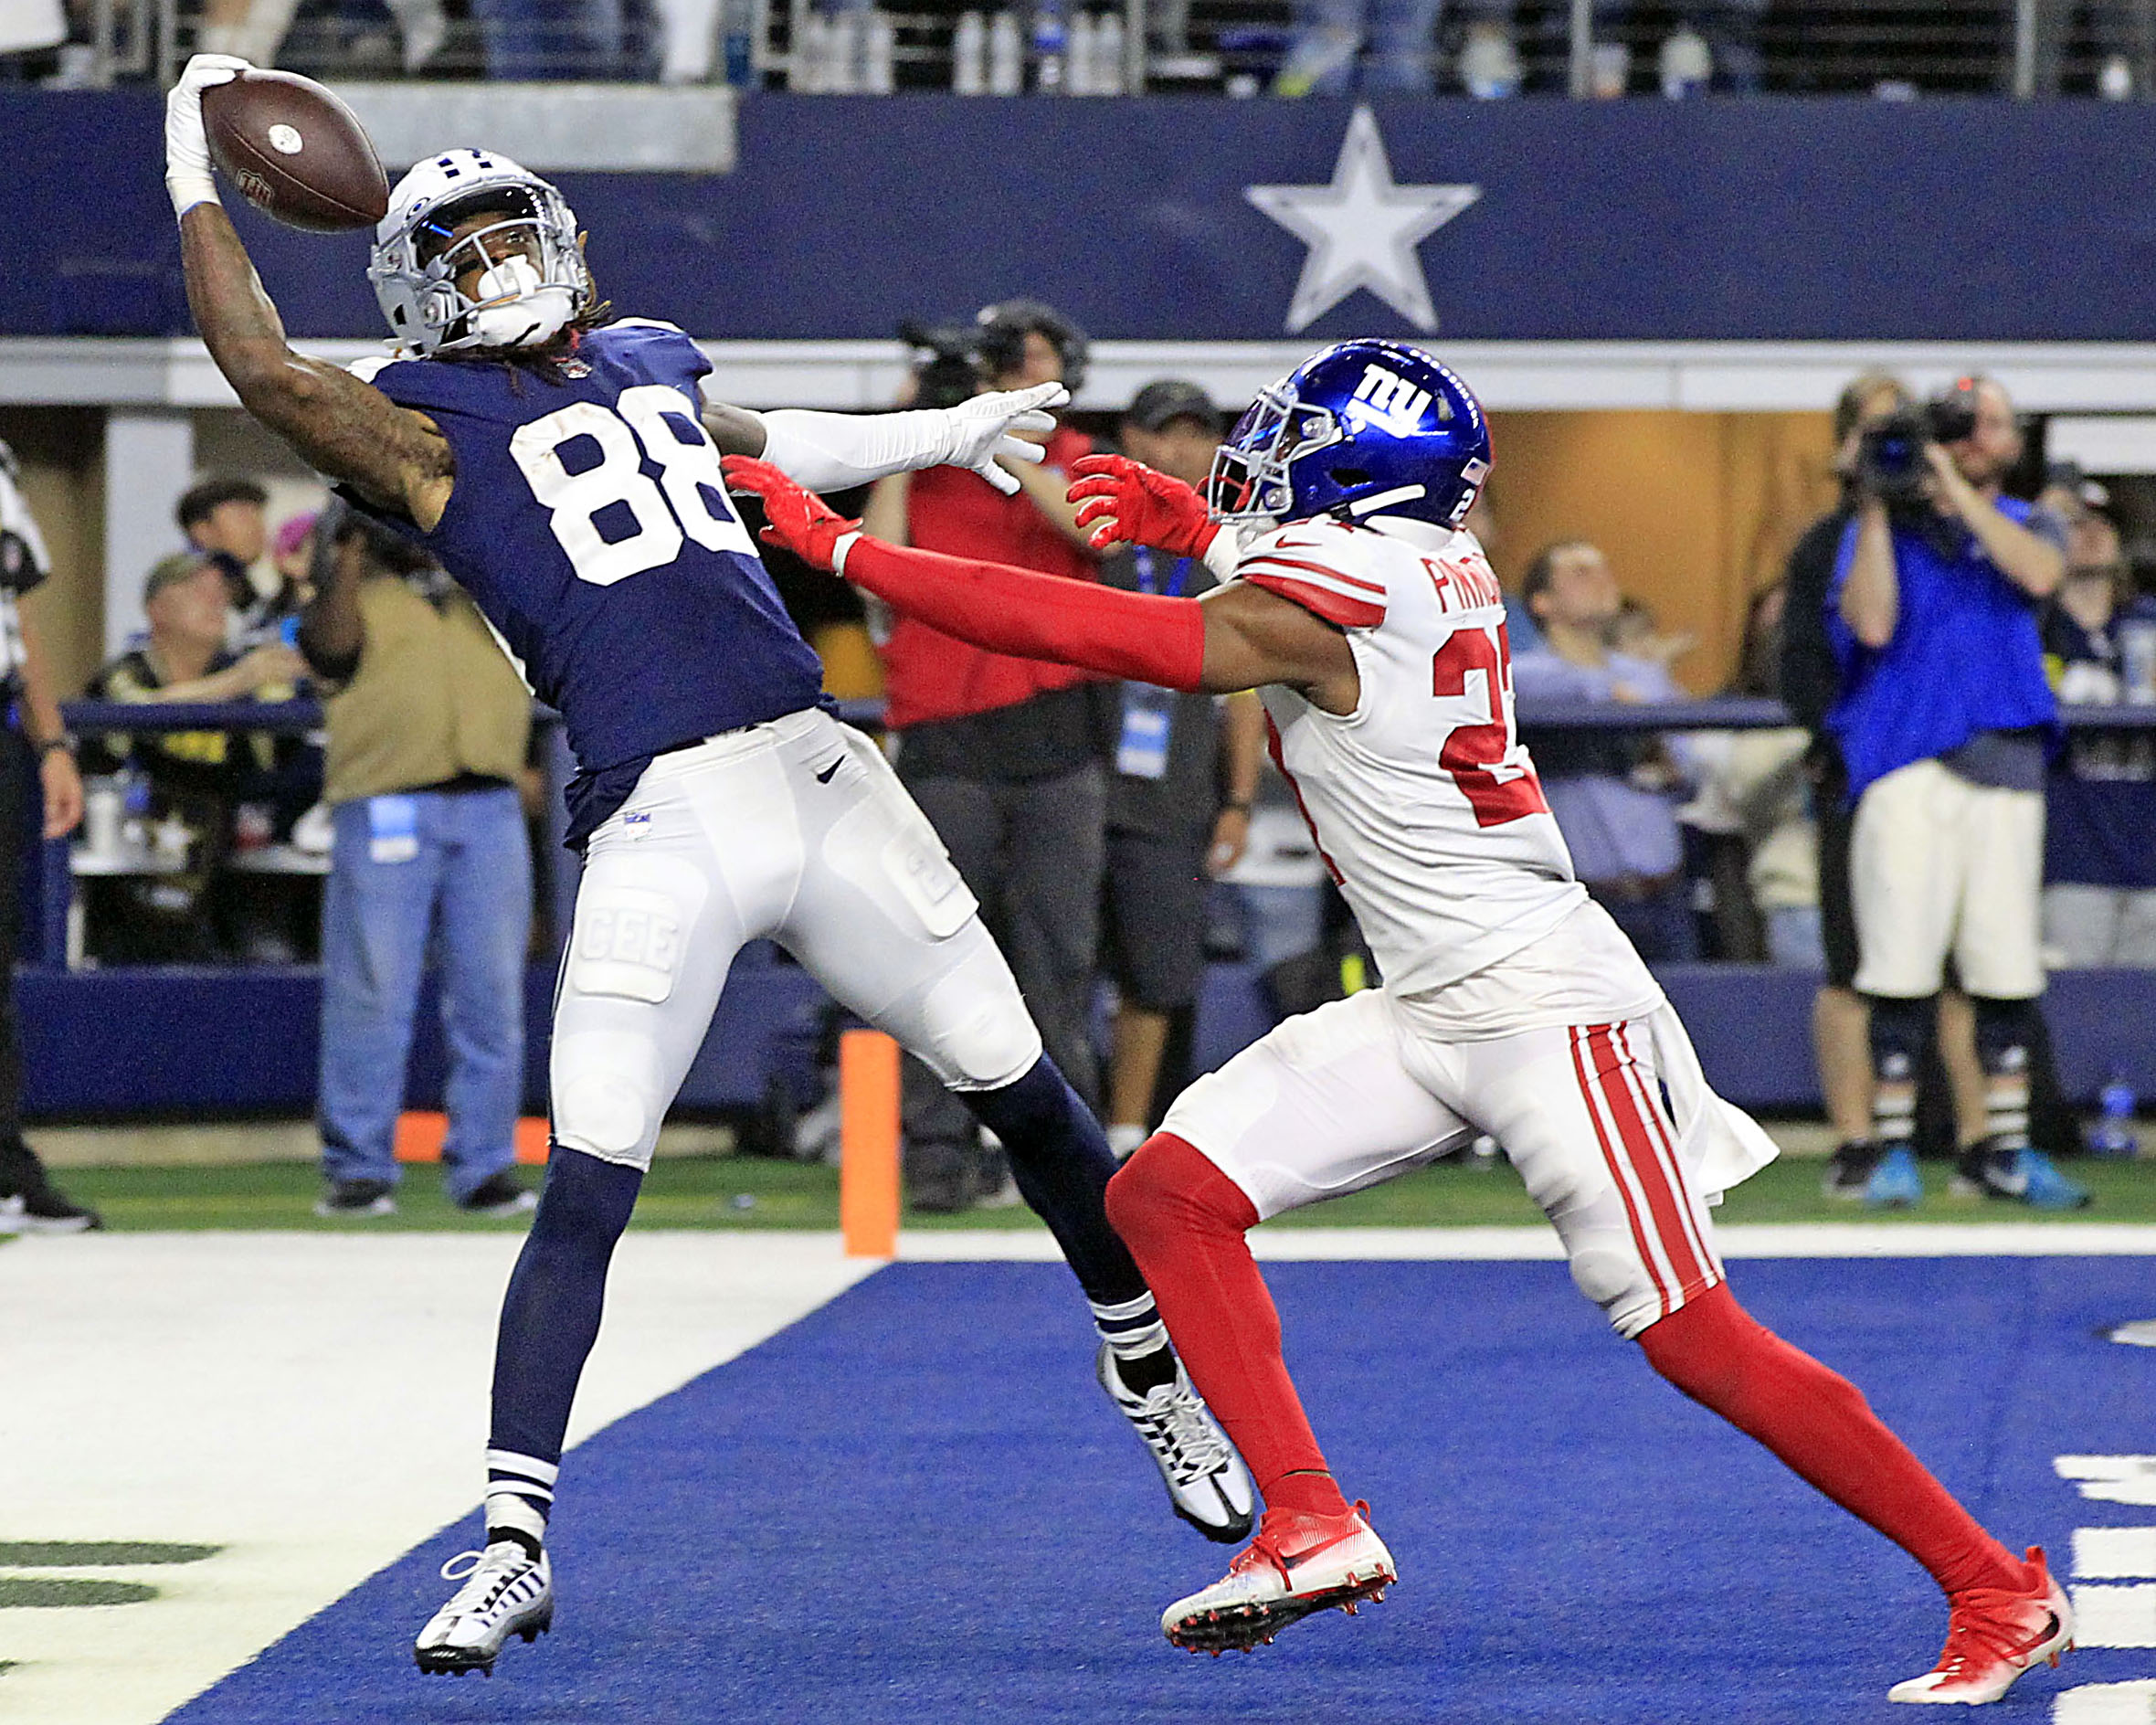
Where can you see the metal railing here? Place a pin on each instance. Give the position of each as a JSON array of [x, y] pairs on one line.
[[1584, 49]]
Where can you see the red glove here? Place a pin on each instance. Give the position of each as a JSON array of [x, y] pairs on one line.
[[1135, 505], [801, 521]]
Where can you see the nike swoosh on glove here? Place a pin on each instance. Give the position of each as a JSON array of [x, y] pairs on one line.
[[1135, 505], [186, 147], [999, 423], [801, 521]]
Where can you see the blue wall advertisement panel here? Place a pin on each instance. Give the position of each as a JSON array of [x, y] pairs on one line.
[[1209, 219]]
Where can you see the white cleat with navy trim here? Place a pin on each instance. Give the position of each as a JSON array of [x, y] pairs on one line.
[[506, 1592], [1299, 1563], [1206, 1482], [1992, 1636]]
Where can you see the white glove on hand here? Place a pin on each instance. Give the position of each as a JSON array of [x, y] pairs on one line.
[[978, 431], [187, 175]]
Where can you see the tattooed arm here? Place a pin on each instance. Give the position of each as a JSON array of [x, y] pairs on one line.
[[347, 430]]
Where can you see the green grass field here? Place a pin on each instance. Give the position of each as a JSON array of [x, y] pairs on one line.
[[751, 1192]]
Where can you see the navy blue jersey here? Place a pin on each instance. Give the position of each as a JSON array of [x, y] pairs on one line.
[[590, 522]]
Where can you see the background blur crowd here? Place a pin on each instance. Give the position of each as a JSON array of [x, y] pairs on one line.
[[1120, 839], [1489, 49]]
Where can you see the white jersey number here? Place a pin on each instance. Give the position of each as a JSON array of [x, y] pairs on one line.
[[1472, 677], [689, 498]]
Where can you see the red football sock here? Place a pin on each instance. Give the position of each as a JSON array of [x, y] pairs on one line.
[[1819, 1424], [1184, 1221]]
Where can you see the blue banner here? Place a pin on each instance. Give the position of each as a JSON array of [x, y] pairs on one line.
[[1211, 219]]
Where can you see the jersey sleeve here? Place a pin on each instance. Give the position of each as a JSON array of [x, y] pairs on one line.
[[1314, 565]]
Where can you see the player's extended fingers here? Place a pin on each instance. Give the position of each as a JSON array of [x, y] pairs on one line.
[[203, 70], [1097, 466], [1092, 485], [1005, 482], [1090, 506], [1109, 533], [1040, 396], [1018, 450]]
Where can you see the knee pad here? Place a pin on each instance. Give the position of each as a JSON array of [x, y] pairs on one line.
[[605, 1096], [1901, 1029], [2004, 1030], [979, 1034], [1168, 1185]]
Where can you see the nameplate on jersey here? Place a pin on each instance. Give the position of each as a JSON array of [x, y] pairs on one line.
[[1148, 716]]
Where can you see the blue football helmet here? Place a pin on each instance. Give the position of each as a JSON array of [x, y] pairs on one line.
[[1363, 429]]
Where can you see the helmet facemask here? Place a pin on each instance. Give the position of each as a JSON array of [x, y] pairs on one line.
[[516, 281], [1249, 479]]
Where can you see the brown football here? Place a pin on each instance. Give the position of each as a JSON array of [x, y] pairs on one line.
[[295, 151]]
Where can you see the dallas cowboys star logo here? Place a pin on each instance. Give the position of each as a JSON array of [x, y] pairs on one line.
[[1363, 229]]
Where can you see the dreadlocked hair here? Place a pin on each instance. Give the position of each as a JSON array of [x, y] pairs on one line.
[[543, 363]]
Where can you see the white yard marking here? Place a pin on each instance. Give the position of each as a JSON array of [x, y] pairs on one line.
[[2115, 1617], [2110, 1479], [2107, 1704], [315, 1405], [1532, 1241], [2105, 1554]]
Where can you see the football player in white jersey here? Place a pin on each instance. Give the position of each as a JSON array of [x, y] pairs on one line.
[[1511, 1003]]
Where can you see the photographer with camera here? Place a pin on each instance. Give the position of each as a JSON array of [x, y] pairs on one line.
[[1943, 722], [1003, 755]]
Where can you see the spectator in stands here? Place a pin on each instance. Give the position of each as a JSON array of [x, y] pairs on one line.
[[254, 30], [40, 792], [1003, 755], [1942, 722], [194, 779], [225, 521], [2099, 836], [1367, 47], [1179, 797], [427, 727], [1610, 794], [1753, 788]]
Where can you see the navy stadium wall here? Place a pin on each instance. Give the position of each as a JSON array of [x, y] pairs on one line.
[[1637, 220]]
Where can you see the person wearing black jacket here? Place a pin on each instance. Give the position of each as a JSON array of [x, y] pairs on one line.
[[40, 793]]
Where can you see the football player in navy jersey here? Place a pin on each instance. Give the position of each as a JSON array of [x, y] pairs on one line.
[[564, 468]]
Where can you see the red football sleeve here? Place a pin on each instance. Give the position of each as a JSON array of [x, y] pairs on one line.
[[1144, 637]]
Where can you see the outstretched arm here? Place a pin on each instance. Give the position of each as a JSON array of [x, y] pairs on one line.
[[346, 429], [1236, 638], [836, 451]]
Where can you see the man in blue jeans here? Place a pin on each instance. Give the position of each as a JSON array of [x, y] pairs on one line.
[[427, 727]]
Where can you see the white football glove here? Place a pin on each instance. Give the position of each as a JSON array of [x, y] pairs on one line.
[[978, 430], [187, 175]]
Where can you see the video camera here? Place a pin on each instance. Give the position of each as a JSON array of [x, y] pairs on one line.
[[946, 361], [1890, 453]]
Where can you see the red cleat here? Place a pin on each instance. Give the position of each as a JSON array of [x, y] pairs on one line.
[[1298, 1565], [1992, 1636]]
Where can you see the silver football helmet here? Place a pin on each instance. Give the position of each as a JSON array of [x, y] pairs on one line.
[[531, 280]]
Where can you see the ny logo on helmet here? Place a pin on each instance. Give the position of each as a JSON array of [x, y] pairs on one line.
[[1394, 402]]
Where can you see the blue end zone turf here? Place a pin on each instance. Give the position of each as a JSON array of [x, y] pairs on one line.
[[915, 1506]]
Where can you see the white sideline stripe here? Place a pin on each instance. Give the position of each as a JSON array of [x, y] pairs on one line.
[[1532, 1242], [203, 1387], [2107, 1704], [2115, 1617], [2114, 1553]]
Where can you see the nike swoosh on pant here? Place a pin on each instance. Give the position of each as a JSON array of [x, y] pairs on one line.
[[824, 778]]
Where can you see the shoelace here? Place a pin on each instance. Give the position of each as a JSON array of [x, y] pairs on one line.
[[488, 1577], [1969, 1630], [1174, 1422]]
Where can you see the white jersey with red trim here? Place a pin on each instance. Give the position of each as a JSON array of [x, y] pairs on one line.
[[1424, 802]]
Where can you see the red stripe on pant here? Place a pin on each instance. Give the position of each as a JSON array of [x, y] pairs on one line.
[[1617, 1077], [1647, 1092], [1590, 1093], [1184, 1221]]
